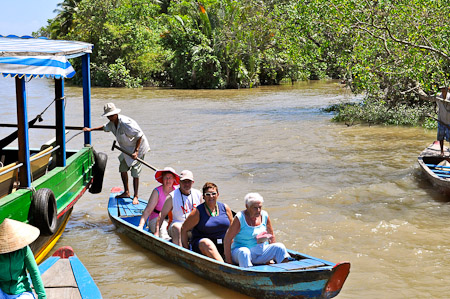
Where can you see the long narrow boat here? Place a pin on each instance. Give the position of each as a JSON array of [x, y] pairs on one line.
[[306, 277], [436, 167], [64, 276], [41, 185]]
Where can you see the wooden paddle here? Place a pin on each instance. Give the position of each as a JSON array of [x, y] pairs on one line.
[[443, 123], [127, 153]]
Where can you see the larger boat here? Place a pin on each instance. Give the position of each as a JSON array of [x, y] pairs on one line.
[[41, 185]]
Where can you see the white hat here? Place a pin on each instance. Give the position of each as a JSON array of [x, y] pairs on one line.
[[186, 175], [110, 109], [15, 235]]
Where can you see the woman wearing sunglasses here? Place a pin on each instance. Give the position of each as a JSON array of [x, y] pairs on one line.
[[209, 222]]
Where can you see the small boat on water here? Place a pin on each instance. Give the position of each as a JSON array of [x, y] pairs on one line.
[[306, 277], [436, 167], [64, 276], [40, 185]]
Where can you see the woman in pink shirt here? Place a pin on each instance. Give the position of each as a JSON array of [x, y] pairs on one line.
[[169, 179]]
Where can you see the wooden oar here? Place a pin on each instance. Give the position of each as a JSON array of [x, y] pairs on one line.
[[127, 153], [443, 123]]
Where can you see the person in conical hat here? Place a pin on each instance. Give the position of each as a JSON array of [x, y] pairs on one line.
[[16, 258], [132, 139]]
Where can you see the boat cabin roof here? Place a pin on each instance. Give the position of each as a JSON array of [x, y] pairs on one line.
[[39, 57]]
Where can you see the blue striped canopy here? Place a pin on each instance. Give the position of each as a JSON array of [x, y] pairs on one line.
[[39, 57]]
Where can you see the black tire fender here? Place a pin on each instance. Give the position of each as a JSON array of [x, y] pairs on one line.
[[98, 172], [43, 211]]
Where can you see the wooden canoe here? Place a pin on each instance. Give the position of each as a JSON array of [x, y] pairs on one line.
[[306, 277], [65, 277], [429, 160]]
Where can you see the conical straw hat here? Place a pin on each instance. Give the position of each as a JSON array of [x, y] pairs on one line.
[[15, 235]]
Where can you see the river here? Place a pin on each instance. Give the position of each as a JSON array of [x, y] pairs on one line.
[[341, 193]]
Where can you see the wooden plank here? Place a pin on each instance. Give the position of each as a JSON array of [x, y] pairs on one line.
[[62, 293], [301, 264], [128, 209], [60, 275]]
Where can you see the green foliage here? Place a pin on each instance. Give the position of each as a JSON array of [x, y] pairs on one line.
[[379, 112], [386, 50], [115, 74]]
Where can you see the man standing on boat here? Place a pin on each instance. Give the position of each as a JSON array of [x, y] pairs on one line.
[[131, 138], [181, 202], [443, 103]]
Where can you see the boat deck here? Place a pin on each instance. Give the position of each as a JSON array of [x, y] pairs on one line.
[[434, 150], [59, 281]]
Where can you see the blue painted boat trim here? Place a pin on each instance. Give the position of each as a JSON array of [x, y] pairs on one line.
[[86, 59], [25, 147], [61, 116], [45, 265], [86, 285], [435, 165]]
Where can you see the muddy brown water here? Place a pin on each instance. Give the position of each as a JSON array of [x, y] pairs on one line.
[[335, 192]]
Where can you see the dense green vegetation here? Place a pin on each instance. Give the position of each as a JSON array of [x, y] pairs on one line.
[[387, 50]]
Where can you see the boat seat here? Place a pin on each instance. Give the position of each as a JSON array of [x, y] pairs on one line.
[[8, 175], [39, 162], [292, 265], [438, 166]]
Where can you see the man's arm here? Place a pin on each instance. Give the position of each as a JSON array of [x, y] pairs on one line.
[[99, 128], [136, 149], [190, 222]]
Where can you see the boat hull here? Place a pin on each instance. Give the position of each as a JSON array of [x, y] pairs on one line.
[[67, 183], [265, 281], [427, 161]]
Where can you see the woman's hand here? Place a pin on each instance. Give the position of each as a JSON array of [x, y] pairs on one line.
[[232, 231]]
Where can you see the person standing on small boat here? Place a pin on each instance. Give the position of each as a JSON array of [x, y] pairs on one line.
[[250, 239], [181, 202], [132, 139], [209, 224], [16, 258], [168, 179], [443, 117]]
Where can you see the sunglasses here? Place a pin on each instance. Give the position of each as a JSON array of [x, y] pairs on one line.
[[211, 194]]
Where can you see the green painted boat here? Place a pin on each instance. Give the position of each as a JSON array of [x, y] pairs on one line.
[[40, 186]]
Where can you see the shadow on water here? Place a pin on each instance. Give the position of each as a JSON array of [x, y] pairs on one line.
[[154, 260], [424, 183]]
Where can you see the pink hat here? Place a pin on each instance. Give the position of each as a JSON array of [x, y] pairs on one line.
[[159, 175]]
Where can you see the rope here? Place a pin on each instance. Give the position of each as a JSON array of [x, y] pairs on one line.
[[74, 136], [13, 136]]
